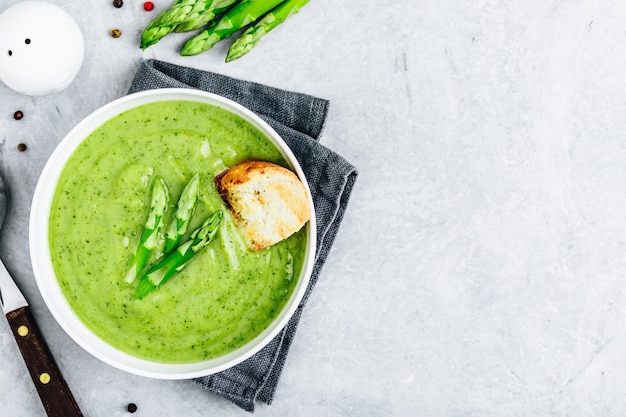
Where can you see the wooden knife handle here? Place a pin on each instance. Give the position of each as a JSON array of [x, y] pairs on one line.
[[55, 395]]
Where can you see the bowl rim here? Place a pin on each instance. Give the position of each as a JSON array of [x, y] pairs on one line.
[[43, 269]]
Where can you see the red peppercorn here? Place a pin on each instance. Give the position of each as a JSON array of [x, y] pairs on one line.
[[18, 115], [148, 6]]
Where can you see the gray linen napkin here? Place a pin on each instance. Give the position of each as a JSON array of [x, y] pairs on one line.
[[298, 119]]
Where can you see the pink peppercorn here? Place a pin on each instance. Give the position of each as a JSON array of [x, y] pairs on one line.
[[148, 6]]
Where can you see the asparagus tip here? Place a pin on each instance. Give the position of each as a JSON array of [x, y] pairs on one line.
[[145, 287]]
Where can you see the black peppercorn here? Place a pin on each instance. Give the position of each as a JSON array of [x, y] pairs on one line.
[[118, 3], [18, 115], [21, 147], [132, 407]]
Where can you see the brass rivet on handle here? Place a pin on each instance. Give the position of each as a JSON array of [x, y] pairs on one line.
[[44, 378], [22, 330]]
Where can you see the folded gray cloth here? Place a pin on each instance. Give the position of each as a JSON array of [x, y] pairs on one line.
[[298, 119]]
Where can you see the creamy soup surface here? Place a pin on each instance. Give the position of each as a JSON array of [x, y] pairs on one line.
[[226, 295]]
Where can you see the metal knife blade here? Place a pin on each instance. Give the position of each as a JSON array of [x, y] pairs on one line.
[[11, 297]]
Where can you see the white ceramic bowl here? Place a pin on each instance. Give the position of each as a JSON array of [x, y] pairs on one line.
[[44, 271]]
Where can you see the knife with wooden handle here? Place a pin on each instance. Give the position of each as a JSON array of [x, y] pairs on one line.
[[54, 392]]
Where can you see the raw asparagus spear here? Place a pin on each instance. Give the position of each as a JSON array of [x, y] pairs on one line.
[[150, 235], [179, 224], [168, 20], [199, 16], [176, 261], [252, 36], [239, 16], [183, 15]]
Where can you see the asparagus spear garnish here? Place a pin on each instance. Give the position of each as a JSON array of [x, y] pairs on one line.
[[176, 261], [239, 16], [252, 36], [183, 15], [152, 228], [179, 224]]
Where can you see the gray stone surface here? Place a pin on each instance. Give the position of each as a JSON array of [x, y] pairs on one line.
[[480, 268]]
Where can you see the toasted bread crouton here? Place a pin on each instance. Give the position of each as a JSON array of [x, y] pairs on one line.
[[268, 202]]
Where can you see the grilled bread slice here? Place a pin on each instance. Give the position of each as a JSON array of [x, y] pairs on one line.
[[268, 202]]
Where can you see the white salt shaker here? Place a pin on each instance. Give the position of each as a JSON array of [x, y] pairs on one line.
[[41, 48]]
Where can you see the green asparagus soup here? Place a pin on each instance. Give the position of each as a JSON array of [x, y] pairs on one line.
[[225, 295]]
